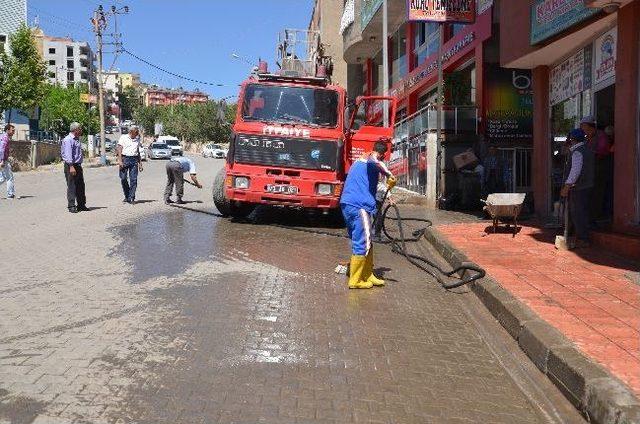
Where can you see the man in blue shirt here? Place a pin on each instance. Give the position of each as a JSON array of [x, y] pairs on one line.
[[176, 168], [358, 203], [71, 152]]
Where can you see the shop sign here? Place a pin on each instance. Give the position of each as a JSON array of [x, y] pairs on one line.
[[460, 11], [550, 17], [509, 97], [368, 9], [88, 98], [571, 76], [605, 53], [433, 66], [484, 5]]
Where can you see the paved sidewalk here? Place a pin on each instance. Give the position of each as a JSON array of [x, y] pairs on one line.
[[591, 297]]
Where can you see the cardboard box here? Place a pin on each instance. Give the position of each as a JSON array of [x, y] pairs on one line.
[[465, 160]]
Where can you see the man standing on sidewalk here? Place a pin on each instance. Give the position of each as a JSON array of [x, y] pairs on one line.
[[578, 185], [176, 168], [6, 175], [358, 204], [128, 150], [71, 152]]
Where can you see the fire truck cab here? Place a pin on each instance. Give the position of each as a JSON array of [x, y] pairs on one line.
[[293, 141]]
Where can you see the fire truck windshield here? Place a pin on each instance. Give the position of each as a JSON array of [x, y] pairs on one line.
[[316, 107]]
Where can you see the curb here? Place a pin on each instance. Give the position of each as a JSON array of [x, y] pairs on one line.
[[595, 392]]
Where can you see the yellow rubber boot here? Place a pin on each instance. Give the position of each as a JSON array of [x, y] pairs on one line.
[[357, 266], [369, 271]]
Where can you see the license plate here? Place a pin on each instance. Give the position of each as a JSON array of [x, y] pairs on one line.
[[282, 189]]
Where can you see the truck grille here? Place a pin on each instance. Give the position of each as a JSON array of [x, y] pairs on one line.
[[286, 152]]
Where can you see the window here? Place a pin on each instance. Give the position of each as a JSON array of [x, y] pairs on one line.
[[427, 37], [70, 64], [456, 28], [71, 76], [3, 42], [398, 55], [69, 51], [52, 62], [284, 105], [52, 51]]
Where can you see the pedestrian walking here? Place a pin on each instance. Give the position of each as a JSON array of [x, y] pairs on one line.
[[6, 174], [176, 168], [71, 152], [128, 150], [358, 204], [578, 185]]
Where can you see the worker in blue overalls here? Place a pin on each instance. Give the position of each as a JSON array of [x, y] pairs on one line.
[[358, 203]]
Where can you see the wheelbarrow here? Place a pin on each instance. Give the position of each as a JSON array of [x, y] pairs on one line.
[[504, 207]]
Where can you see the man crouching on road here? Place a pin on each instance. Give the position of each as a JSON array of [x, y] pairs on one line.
[[358, 203], [176, 167]]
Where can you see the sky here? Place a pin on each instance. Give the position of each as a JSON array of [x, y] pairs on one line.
[[193, 38]]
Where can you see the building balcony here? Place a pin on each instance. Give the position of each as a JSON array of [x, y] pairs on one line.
[[455, 120], [363, 38]]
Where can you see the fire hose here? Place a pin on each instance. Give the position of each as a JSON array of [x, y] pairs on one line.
[[457, 277]]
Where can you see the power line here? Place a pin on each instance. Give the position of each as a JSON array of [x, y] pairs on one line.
[[124, 50]]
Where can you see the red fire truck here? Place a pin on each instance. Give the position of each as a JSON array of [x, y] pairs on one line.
[[294, 139]]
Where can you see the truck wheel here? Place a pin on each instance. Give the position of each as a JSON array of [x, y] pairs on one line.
[[224, 206], [219, 197]]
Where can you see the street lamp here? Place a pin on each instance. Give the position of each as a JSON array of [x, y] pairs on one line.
[[244, 59]]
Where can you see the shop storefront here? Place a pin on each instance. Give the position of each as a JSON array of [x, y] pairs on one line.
[[584, 63]]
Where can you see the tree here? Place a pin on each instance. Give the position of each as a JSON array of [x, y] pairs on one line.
[[130, 102], [22, 73], [62, 106], [193, 123]]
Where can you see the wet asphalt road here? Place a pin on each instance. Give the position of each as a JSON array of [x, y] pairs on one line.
[[157, 314]]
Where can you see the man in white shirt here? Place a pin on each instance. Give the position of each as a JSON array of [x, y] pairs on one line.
[[176, 168], [128, 150]]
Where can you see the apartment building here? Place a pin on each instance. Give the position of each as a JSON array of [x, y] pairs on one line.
[[69, 62], [325, 19], [157, 96], [13, 13]]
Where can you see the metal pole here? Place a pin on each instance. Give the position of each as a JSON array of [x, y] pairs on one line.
[[98, 30], [439, 182], [385, 62]]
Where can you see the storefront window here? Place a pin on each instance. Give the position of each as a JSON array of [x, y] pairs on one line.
[[456, 28], [426, 41], [398, 55]]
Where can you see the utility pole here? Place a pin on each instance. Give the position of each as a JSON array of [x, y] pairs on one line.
[[439, 174], [385, 62], [99, 23]]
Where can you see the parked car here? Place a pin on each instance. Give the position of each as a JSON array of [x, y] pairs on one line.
[[214, 151], [173, 143], [160, 151]]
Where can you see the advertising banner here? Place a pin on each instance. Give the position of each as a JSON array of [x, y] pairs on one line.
[[509, 97], [571, 76], [551, 17], [605, 55], [460, 11]]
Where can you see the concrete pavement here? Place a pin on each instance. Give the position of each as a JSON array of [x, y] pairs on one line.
[[157, 314]]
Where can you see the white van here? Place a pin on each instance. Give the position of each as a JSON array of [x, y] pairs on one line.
[[173, 143]]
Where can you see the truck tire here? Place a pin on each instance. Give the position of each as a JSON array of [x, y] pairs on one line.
[[224, 205], [219, 197]]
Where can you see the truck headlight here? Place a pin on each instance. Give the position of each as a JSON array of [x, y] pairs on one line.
[[241, 182], [324, 189]]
